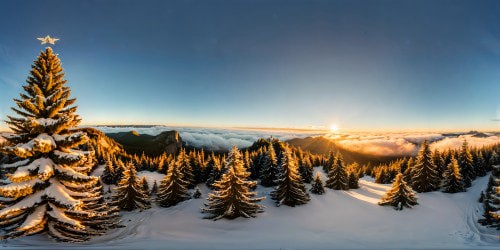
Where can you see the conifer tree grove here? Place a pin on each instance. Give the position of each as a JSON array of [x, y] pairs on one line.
[[317, 185], [466, 164], [425, 176], [452, 179], [232, 197], [48, 186], [173, 187], [400, 195], [129, 194], [290, 190], [337, 177]]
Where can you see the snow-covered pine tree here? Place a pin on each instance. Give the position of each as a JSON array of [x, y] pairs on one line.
[[494, 159], [337, 177], [173, 187], [144, 184], [290, 190], [438, 161], [491, 202], [452, 180], [129, 194], [400, 195], [317, 185], [407, 174], [480, 165], [270, 169], [466, 164], [328, 162], [425, 176], [232, 197], [197, 193], [353, 180], [184, 166], [217, 171], [154, 189], [109, 175], [48, 186], [306, 170]]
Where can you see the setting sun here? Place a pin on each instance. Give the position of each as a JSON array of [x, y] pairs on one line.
[[334, 128]]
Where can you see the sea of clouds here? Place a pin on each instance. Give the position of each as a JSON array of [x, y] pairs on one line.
[[216, 138], [383, 144]]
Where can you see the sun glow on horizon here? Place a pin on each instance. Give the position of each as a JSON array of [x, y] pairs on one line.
[[334, 128]]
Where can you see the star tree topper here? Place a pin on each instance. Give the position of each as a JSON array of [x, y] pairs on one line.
[[48, 39]]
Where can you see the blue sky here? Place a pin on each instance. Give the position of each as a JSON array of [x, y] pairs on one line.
[[363, 65]]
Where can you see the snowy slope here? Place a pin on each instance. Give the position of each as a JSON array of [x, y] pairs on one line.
[[338, 219]]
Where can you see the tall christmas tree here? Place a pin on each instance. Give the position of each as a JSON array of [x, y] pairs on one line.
[[400, 195], [232, 197], [425, 176], [290, 190], [173, 187], [48, 186], [130, 195], [337, 177], [452, 179]]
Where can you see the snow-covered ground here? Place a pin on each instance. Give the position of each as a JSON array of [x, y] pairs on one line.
[[338, 219]]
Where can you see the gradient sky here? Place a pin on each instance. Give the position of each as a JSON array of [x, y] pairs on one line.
[[363, 65]]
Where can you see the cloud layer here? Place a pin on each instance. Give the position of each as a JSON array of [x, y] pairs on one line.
[[215, 138], [382, 144]]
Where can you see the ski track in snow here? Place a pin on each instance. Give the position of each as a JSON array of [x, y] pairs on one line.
[[338, 219]]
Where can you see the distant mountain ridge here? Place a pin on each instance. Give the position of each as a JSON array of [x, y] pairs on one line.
[[135, 143]]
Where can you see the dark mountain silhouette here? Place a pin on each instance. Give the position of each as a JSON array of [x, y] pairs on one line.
[[135, 143]]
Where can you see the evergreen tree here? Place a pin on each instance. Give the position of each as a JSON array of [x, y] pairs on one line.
[[438, 161], [306, 170], [317, 186], [491, 201], [400, 195], [216, 173], [494, 159], [290, 190], [184, 166], [353, 180], [425, 176], [328, 163], [109, 175], [407, 174], [232, 197], [48, 188], [197, 193], [144, 184], [154, 189], [173, 187], [480, 165], [129, 194], [466, 165], [270, 170], [452, 180], [337, 177]]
